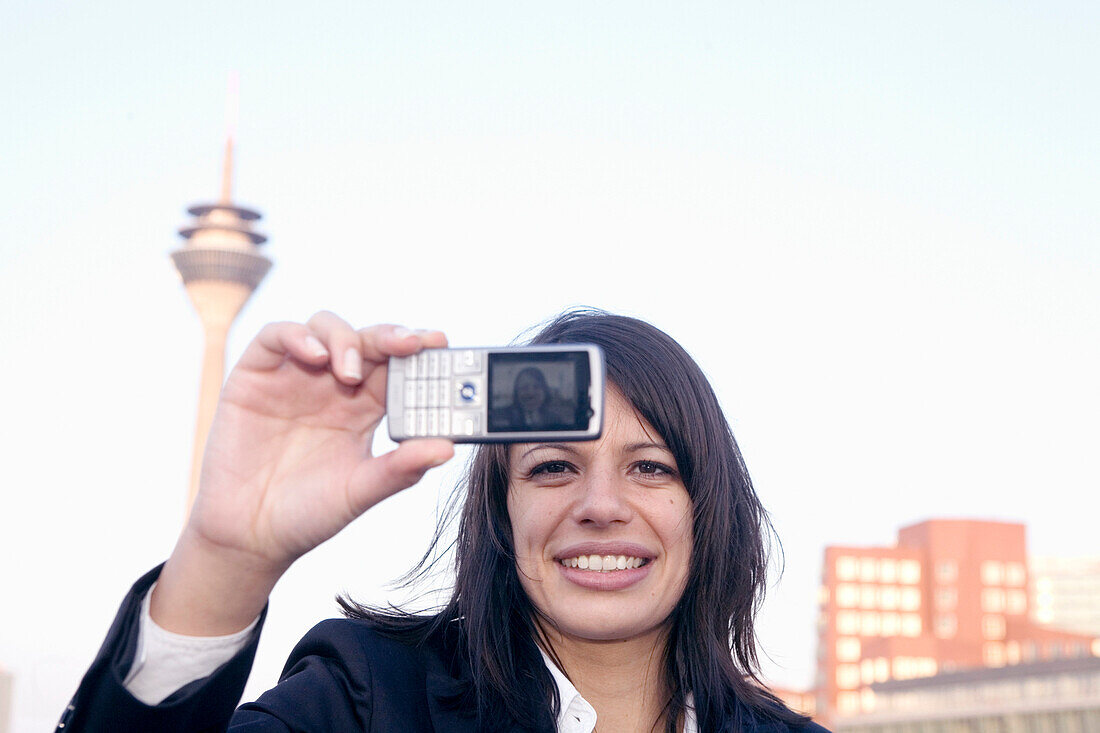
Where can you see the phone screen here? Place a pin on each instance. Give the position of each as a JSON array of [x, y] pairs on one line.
[[538, 392]]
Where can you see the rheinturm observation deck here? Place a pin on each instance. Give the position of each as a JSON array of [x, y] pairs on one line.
[[220, 264]]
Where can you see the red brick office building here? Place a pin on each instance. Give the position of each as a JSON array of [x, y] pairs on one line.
[[951, 594]]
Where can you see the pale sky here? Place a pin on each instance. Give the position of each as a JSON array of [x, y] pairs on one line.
[[873, 224]]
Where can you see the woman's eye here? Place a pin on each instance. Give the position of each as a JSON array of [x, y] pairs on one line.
[[653, 468], [550, 468]]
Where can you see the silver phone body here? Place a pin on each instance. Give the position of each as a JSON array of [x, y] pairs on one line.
[[491, 395]]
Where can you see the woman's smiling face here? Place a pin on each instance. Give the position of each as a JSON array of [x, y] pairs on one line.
[[602, 529]]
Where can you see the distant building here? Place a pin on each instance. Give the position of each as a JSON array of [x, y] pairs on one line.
[[950, 595], [1060, 695], [5, 700], [1065, 593]]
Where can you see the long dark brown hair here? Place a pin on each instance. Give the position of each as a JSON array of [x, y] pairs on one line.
[[711, 653]]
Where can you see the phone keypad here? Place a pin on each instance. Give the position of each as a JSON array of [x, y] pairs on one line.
[[431, 395]]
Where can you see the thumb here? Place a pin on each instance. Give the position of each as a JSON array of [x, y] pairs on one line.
[[383, 476]]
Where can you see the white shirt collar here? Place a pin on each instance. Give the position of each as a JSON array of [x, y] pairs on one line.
[[578, 716]]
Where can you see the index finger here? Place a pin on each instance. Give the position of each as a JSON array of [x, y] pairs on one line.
[[381, 342]]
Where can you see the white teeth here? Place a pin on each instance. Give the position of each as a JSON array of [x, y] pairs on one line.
[[603, 563]]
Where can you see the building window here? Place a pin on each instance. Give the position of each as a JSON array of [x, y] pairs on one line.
[[847, 595], [847, 623], [1016, 601], [1015, 575], [882, 669], [993, 572], [867, 671], [1012, 652], [869, 624], [993, 600], [888, 571], [847, 676], [888, 597], [847, 702], [868, 569], [947, 571], [868, 596], [993, 627], [909, 571], [946, 625], [910, 624], [847, 649], [993, 654], [946, 599], [891, 624], [910, 599], [847, 568]]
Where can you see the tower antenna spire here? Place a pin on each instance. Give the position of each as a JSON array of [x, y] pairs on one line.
[[232, 105], [221, 265]]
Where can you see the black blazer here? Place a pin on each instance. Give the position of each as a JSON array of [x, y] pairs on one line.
[[342, 676]]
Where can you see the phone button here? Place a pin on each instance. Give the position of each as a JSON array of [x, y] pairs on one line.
[[467, 361], [467, 392], [466, 424]]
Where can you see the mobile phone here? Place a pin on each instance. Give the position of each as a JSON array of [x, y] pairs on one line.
[[497, 395]]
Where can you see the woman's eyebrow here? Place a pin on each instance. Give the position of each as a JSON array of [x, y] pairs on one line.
[[556, 446], [634, 447]]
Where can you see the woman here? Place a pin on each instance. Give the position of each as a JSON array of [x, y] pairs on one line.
[[610, 582], [534, 405]]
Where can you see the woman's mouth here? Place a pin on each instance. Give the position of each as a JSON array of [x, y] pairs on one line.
[[603, 563]]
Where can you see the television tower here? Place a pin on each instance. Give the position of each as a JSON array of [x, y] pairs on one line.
[[220, 265]]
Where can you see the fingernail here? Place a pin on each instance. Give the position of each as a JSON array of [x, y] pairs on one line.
[[439, 462], [315, 346], [353, 364], [401, 332]]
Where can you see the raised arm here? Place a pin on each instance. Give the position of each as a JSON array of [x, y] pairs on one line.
[[287, 466]]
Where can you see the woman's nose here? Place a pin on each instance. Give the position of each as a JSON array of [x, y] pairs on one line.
[[602, 500]]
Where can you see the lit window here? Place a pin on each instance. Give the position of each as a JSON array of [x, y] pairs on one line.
[[910, 624], [847, 568], [946, 599], [847, 595], [947, 571], [993, 654], [867, 700], [902, 668], [946, 625], [867, 596], [1012, 652], [1016, 601], [888, 571], [1015, 574], [993, 572], [891, 624], [847, 649], [867, 671], [993, 600], [847, 622], [868, 570], [882, 669], [869, 624], [993, 627], [909, 571], [888, 597], [847, 702], [910, 599], [847, 676]]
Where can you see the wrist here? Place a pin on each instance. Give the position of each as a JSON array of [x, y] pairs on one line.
[[209, 590]]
